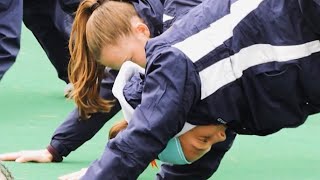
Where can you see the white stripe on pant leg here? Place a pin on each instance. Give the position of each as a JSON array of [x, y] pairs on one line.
[[229, 69], [202, 43]]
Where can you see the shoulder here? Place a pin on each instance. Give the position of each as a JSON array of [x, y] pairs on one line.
[[161, 55]]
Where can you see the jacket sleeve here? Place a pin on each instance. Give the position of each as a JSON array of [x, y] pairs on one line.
[[311, 12], [166, 99], [72, 133]]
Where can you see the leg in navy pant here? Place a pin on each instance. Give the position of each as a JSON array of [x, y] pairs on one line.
[[10, 30], [51, 26]]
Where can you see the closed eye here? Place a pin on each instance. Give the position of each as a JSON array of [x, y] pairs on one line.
[[198, 148], [204, 139]]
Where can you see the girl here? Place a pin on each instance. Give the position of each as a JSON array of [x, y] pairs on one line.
[[188, 145], [73, 133], [231, 78]]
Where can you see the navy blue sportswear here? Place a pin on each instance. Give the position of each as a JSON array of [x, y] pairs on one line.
[[72, 133], [251, 65]]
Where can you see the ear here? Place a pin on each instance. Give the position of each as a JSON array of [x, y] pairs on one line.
[[143, 29], [222, 135]]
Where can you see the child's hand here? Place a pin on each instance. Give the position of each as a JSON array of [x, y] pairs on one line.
[[41, 156], [74, 176]]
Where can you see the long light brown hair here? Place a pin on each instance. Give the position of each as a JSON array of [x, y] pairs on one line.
[[116, 128], [96, 25]]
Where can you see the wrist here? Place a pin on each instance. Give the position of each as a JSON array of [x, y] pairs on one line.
[[54, 155], [48, 155]]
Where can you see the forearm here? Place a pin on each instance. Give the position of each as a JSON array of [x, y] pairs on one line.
[[107, 167], [73, 132]]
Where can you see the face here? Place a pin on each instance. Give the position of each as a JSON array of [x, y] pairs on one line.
[[198, 141], [128, 48]]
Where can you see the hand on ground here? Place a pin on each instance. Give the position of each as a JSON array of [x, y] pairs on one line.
[[41, 156]]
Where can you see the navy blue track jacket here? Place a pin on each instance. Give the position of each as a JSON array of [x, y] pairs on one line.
[[72, 133], [252, 65]]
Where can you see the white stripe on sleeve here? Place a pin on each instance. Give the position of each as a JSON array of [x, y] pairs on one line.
[[200, 44], [231, 68]]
